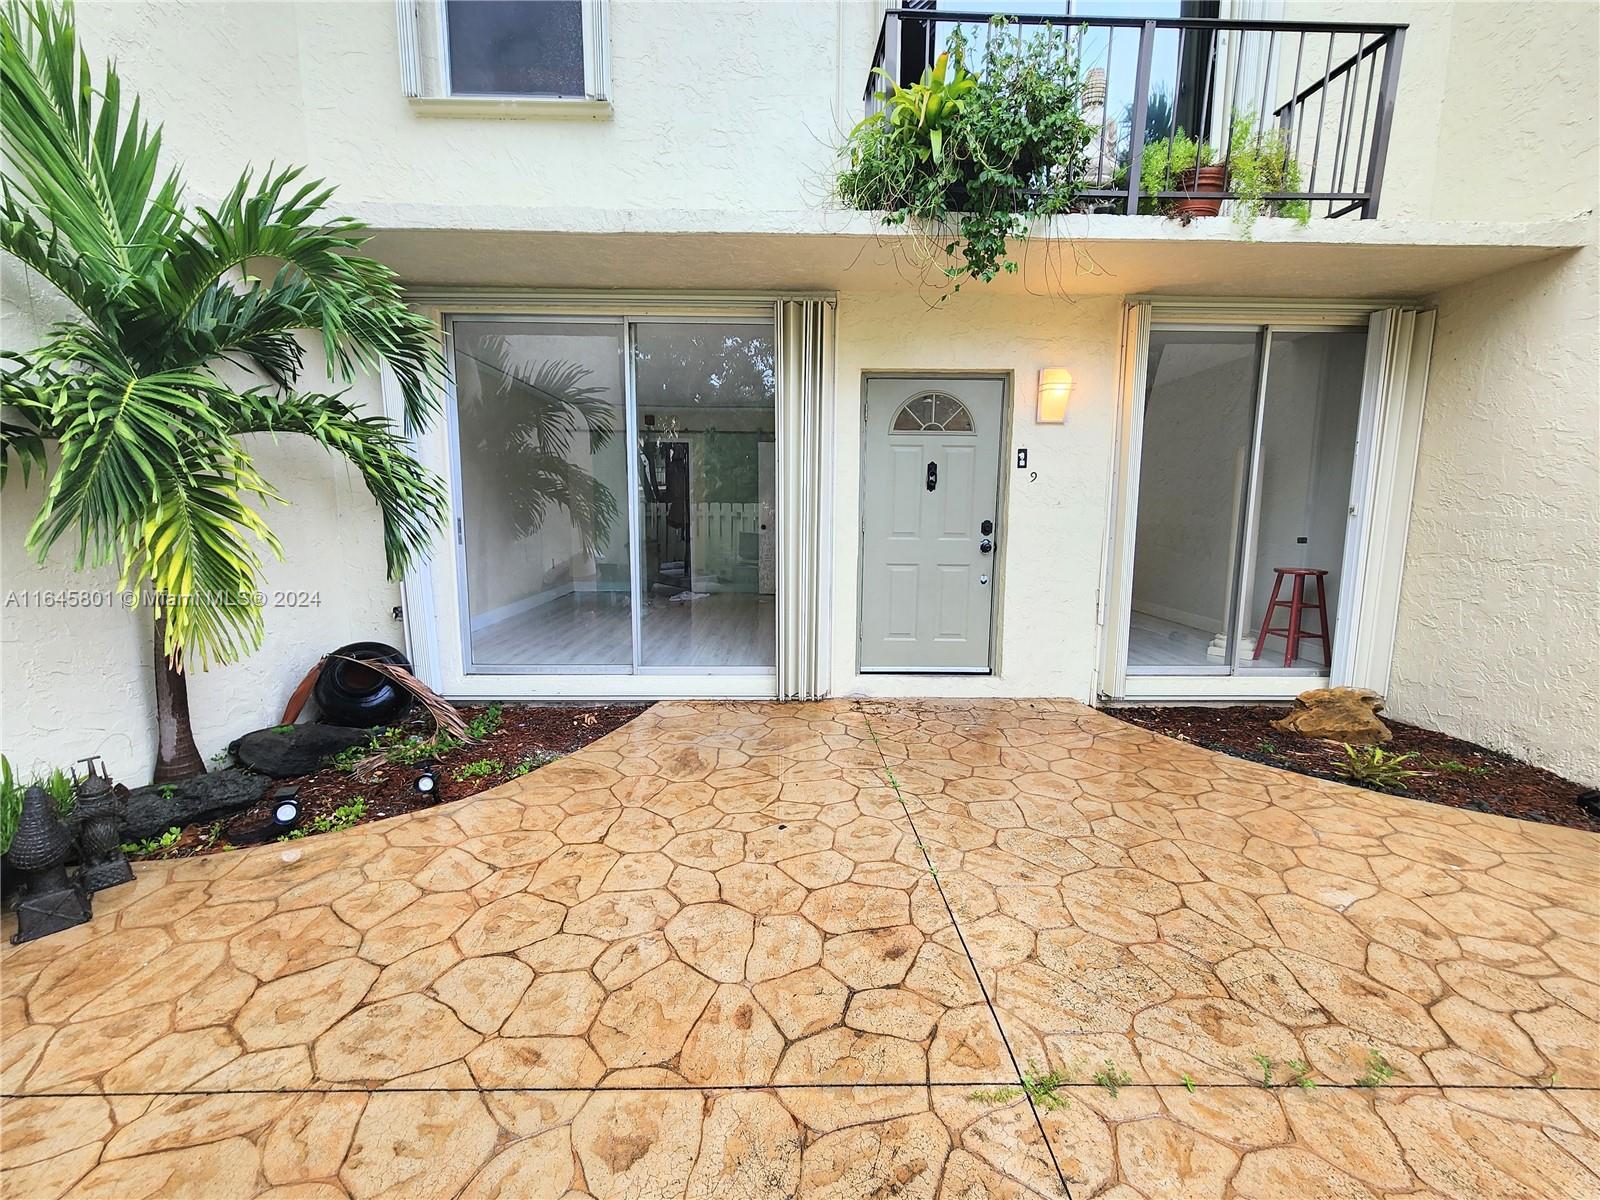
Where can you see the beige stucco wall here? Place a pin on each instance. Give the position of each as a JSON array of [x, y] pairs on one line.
[[1499, 631]]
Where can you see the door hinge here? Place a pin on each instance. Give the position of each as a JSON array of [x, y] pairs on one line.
[[461, 537]]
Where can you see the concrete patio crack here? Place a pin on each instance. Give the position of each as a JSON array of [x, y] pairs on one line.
[[933, 871]]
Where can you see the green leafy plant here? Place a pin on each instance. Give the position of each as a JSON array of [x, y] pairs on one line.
[[1043, 1088], [1266, 1065], [1188, 1082], [966, 158], [342, 817], [478, 769], [1378, 1071], [533, 762], [1456, 765], [146, 847], [1300, 1075], [166, 791], [485, 723], [142, 388], [1163, 160], [1261, 162], [1112, 1078], [1375, 767]]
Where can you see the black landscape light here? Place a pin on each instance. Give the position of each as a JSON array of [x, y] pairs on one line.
[[286, 807], [427, 781]]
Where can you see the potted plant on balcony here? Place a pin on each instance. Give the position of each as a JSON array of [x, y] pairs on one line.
[[964, 158], [1261, 163], [1182, 164]]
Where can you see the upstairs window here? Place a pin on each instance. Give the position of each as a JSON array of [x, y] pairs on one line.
[[461, 57], [515, 47]]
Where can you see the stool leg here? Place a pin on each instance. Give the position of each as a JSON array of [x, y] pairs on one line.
[[1291, 641], [1266, 620], [1322, 617]]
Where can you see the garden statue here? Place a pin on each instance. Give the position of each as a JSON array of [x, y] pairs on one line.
[[50, 902], [98, 815]]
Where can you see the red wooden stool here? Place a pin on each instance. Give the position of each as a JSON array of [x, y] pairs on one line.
[[1297, 604]]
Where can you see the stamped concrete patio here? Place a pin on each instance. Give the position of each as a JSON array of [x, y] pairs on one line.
[[765, 951]]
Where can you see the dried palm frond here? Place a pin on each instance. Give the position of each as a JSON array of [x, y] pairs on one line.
[[446, 719]]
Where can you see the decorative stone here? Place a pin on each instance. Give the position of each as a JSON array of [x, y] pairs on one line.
[[155, 809], [97, 812], [50, 902], [1340, 714], [285, 751]]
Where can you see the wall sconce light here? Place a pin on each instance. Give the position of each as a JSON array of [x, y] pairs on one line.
[[1055, 389]]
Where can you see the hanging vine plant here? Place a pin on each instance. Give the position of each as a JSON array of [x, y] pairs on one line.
[[967, 159]]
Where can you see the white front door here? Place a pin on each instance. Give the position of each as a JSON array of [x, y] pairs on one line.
[[930, 523]]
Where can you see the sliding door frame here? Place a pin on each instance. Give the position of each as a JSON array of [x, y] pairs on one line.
[[1371, 528], [437, 632]]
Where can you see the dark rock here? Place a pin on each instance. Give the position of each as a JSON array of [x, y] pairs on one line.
[[286, 751], [1590, 802], [155, 809], [1478, 806]]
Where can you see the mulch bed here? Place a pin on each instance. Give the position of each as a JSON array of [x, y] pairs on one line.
[[1455, 772], [527, 733]]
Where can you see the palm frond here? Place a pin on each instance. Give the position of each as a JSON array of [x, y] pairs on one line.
[[412, 500], [88, 171], [352, 301], [118, 431], [196, 546], [24, 425]]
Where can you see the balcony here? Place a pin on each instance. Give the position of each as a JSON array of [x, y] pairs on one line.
[[1324, 92]]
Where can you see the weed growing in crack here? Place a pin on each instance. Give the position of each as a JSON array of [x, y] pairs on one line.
[[1300, 1075], [1266, 1065], [1188, 1082], [1043, 1089], [1378, 1071], [1112, 1077]]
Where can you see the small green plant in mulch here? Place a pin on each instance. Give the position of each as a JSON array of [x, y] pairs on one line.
[[1112, 1077], [396, 746], [1375, 767], [478, 769], [532, 762], [1378, 1071], [1043, 1088], [146, 847], [1266, 1065], [485, 723], [1300, 1075], [1267, 746], [167, 791], [1455, 765], [342, 817]]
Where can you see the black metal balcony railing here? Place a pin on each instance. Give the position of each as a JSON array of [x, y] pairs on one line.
[[1329, 87]]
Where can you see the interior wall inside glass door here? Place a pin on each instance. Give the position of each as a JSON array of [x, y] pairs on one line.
[[616, 494], [1245, 476]]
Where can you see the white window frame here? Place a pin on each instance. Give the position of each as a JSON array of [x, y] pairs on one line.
[[424, 41], [434, 589], [1399, 341]]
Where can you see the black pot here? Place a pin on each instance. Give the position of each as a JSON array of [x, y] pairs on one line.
[[348, 693]]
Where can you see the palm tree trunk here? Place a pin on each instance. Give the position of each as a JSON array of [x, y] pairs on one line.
[[177, 757]]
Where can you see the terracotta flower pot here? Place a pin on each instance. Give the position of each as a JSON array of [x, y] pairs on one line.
[[1199, 181]]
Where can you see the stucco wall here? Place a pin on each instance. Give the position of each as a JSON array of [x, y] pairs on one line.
[[1499, 631], [723, 105], [1052, 532]]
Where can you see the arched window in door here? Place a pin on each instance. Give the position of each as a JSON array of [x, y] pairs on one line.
[[932, 412]]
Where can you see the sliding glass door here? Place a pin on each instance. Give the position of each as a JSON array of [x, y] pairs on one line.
[[1244, 500], [615, 494]]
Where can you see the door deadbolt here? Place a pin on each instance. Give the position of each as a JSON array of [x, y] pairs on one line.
[[986, 528], [933, 475]]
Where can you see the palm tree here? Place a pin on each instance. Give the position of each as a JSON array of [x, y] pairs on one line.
[[152, 475]]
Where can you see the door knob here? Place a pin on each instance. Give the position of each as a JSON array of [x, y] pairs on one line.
[[985, 546]]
